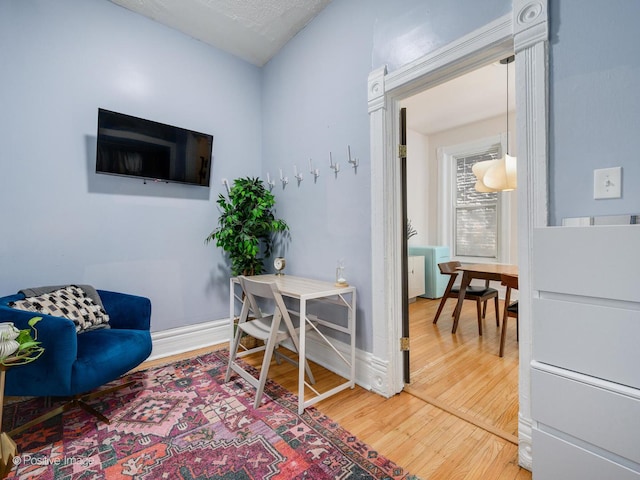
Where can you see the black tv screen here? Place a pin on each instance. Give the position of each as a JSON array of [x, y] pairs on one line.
[[136, 147]]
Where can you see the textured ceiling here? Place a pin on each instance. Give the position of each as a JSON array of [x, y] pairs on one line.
[[253, 30]]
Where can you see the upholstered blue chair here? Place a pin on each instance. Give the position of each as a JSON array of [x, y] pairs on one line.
[[76, 363]]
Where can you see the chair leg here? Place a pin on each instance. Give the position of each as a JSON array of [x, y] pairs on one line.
[[266, 361], [233, 351], [484, 309], [445, 296], [440, 307], [497, 305], [480, 316], [503, 335], [76, 401]]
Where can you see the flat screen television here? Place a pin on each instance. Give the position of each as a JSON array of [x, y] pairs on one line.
[[135, 147]]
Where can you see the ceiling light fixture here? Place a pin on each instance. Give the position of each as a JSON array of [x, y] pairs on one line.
[[498, 175]]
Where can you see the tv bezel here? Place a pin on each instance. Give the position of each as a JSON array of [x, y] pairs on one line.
[[154, 124]]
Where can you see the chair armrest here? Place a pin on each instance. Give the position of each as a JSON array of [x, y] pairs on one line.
[[53, 369], [51, 331], [126, 311]]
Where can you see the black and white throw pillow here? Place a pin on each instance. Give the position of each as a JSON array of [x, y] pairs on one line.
[[69, 302]]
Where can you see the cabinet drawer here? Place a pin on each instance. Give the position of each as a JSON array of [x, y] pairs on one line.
[[557, 459], [595, 340], [606, 416]]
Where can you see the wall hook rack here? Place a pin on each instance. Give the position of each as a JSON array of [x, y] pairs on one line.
[[334, 166], [283, 179], [270, 183], [296, 175], [353, 161], [314, 171]]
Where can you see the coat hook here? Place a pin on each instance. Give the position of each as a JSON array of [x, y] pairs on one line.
[[225, 182], [334, 166], [314, 171], [353, 161], [283, 179], [270, 183], [297, 176]]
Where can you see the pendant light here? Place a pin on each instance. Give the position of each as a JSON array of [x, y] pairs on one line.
[[498, 175]]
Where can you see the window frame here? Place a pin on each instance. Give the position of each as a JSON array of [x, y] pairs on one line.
[[447, 159]]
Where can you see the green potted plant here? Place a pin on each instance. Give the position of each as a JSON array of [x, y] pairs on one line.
[[28, 349], [246, 229], [247, 225]]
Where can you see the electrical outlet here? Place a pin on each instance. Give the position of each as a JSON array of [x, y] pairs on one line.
[[607, 183]]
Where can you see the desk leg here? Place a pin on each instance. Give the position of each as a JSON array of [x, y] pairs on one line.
[[466, 279], [8, 448], [352, 329], [302, 359], [232, 311]]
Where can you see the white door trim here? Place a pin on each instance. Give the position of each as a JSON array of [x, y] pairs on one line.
[[525, 32]]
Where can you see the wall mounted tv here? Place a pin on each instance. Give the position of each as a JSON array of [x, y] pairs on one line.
[[135, 147]]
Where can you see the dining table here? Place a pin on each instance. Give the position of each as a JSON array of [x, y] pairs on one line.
[[484, 271]]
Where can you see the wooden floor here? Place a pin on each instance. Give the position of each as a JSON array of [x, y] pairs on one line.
[[426, 440], [463, 372]]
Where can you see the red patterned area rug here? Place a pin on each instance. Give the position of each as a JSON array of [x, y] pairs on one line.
[[181, 421]]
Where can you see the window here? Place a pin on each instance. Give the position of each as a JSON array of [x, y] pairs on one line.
[[475, 214], [475, 225]]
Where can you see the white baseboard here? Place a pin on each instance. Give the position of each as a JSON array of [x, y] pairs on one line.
[[191, 337], [216, 332], [322, 354]]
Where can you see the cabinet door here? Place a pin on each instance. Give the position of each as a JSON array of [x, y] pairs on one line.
[[416, 276]]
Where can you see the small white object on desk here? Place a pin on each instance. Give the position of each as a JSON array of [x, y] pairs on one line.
[[279, 263], [340, 280]]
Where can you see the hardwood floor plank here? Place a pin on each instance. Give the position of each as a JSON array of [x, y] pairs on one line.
[[464, 370]]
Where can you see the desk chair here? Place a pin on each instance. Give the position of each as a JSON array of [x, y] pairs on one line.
[[272, 329], [479, 294], [510, 309]]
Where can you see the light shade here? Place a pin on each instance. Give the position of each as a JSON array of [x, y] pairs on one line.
[[496, 175]]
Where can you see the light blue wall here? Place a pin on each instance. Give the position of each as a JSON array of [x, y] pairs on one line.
[[61, 60], [594, 104], [315, 102]]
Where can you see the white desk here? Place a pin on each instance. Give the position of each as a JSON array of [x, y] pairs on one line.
[[303, 290]]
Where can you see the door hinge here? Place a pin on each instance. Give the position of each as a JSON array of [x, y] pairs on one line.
[[402, 151], [404, 344]]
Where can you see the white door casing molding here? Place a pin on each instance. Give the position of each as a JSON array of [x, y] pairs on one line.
[[525, 32], [531, 35]]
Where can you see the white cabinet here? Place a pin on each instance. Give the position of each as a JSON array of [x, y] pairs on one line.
[[585, 381], [416, 276], [434, 282]]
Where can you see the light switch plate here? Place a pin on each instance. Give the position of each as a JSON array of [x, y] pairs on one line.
[[607, 183]]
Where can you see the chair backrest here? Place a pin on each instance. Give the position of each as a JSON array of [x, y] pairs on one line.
[[449, 268], [254, 290]]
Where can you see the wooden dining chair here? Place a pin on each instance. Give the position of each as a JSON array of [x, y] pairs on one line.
[[510, 308], [272, 329], [481, 295]]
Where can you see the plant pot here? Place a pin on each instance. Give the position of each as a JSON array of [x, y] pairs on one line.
[[8, 335], [8, 331], [8, 347], [249, 342]]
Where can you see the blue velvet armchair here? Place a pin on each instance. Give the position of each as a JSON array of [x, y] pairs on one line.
[[73, 364]]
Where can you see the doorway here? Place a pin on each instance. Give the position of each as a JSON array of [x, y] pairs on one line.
[[449, 127], [525, 31]]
